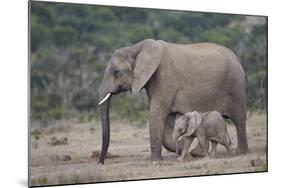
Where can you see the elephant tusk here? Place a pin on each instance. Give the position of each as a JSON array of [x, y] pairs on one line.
[[105, 98], [180, 138]]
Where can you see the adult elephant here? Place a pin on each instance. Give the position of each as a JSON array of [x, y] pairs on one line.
[[178, 78]]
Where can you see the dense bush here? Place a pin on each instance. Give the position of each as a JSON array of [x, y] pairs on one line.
[[71, 44]]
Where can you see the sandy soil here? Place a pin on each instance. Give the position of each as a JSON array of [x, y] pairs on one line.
[[63, 154]]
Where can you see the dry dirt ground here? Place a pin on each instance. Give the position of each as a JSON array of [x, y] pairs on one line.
[[66, 153]]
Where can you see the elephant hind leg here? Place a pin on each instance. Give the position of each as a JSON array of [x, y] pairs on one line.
[[198, 151], [238, 117], [214, 149], [241, 136], [224, 141], [168, 132]]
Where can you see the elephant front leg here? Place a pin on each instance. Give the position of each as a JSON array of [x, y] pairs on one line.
[[198, 151], [168, 142], [184, 154], [213, 153], [203, 143], [156, 131]]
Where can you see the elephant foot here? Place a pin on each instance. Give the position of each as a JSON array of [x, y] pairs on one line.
[[180, 159], [212, 155], [232, 152], [241, 151], [154, 157], [188, 157], [197, 152]]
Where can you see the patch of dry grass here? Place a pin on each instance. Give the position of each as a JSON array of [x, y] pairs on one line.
[[130, 147]]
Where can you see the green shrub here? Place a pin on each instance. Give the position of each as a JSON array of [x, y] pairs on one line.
[[71, 45], [63, 36]]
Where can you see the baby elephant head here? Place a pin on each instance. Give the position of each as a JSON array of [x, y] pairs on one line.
[[186, 125]]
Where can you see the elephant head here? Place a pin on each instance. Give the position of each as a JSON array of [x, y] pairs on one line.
[[129, 68], [179, 130], [186, 125]]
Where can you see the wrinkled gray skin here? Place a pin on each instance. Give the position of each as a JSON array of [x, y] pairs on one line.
[[209, 126], [177, 78]]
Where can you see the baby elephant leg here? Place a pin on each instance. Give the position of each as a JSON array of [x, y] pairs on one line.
[[227, 145], [203, 143], [214, 149], [186, 145]]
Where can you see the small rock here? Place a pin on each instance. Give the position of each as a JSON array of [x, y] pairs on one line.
[[92, 129], [145, 150], [34, 145], [135, 135], [256, 162], [110, 155], [257, 134], [55, 158], [96, 154], [66, 158]]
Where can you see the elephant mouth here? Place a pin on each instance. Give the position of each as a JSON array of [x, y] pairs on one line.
[[123, 88], [120, 89]]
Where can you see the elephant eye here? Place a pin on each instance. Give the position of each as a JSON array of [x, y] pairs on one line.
[[182, 130], [116, 72]]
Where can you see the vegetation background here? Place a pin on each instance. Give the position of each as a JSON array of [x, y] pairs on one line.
[[71, 44]]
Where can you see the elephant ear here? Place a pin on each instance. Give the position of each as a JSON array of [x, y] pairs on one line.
[[147, 56], [195, 120]]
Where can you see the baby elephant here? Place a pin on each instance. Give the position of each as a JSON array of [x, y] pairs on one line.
[[208, 126]]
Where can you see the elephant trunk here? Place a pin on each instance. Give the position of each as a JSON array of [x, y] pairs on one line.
[[105, 121]]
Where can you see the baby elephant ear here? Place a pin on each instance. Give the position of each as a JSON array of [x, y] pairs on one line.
[[146, 56], [195, 120]]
